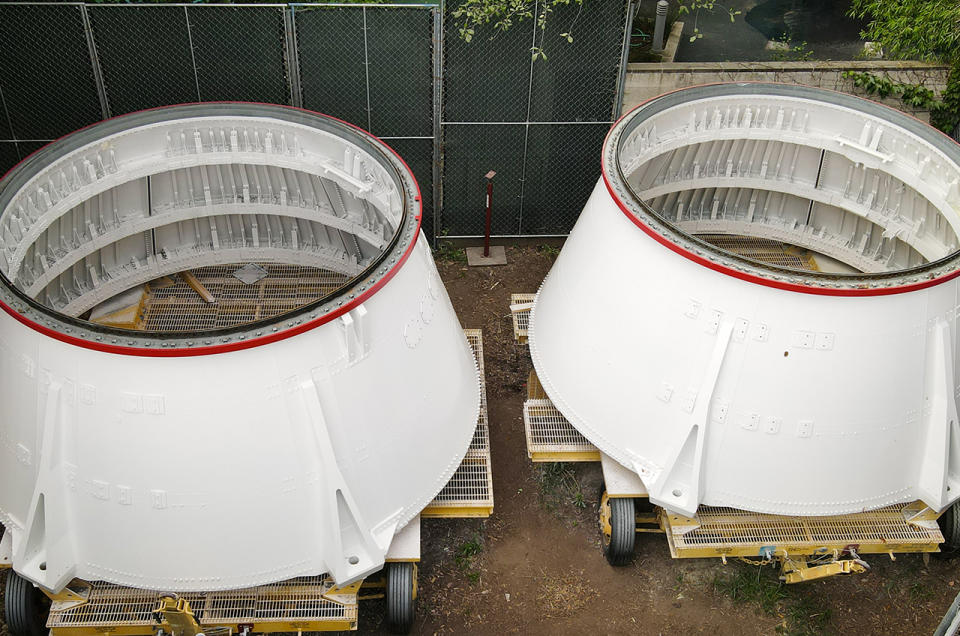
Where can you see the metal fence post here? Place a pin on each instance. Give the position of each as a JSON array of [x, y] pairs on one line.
[[366, 69], [438, 36], [95, 63], [526, 122], [632, 7], [292, 55], [193, 58]]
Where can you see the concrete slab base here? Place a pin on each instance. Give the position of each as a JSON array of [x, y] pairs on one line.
[[475, 257]]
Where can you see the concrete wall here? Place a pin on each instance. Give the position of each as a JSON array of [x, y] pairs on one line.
[[648, 80]]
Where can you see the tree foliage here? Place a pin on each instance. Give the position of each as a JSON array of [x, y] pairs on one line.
[[503, 14], [926, 30], [694, 7], [912, 29]]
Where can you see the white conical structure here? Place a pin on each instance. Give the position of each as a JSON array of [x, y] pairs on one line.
[[225, 458], [727, 381]]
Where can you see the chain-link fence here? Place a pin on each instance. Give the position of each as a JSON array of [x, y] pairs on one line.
[[539, 122], [382, 67], [67, 65]]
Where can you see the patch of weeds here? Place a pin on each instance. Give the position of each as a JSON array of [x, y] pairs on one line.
[[464, 558], [805, 617], [801, 615], [550, 250], [559, 486], [447, 252], [790, 51], [578, 500], [749, 585], [919, 591]]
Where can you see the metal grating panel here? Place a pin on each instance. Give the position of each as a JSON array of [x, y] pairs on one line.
[[298, 600], [763, 250], [550, 436], [469, 493], [521, 319], [882, 530], [177, 307]]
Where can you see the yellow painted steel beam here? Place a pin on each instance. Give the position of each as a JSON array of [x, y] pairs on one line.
[[119, 629], [344, 595], [564, 456], [176, 617], [798, 572], [752, 552], [457, 512]]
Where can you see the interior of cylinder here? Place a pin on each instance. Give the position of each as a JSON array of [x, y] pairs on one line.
[[796, 183], [238, 219]]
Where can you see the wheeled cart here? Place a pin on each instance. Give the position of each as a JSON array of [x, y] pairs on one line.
[[806, 547], [304, 604]]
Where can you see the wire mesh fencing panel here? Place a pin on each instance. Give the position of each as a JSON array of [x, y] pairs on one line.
[[145, 56], [47, 83], [372, 66], [539, 122], [64, 66]]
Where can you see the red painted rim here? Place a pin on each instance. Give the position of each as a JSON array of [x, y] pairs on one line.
[[746, 276], [240, 344]]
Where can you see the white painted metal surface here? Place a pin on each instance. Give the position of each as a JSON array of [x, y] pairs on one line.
[[294, 446], [729, 382]]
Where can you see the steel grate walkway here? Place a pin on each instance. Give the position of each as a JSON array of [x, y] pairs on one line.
[[469, 493], [763, 250], [276, 607], [550, 436], [171, 304], [520, 308], [731, 532]]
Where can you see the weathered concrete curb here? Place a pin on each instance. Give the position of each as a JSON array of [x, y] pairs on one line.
[[645, 80], [673, 41]]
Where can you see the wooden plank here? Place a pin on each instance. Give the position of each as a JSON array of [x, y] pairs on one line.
[[197, 286]]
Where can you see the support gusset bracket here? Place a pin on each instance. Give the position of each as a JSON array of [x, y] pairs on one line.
[[921, 515], [45, 553], [677, 487], [357, 549], [939, 480]]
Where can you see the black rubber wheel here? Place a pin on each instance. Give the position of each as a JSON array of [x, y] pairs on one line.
[[949, 523], [618, 547], [401, 579], [26, 607]]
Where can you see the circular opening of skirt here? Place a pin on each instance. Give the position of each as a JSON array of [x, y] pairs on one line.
[[791, 184], [219, 221]]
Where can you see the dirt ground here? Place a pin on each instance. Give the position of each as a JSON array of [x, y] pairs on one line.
[[535, 566]]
